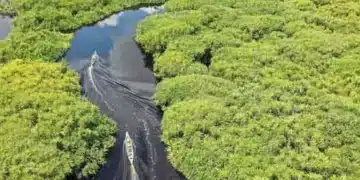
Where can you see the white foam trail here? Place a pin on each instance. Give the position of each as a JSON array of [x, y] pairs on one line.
[[96, 89], [152, 155]]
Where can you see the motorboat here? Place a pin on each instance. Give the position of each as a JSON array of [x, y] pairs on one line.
[[129, 147], [94, 58]]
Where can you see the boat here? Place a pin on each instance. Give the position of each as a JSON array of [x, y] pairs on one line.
[[94, 58], [129, 148]]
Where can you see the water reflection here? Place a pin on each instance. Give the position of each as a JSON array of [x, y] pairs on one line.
[[112, 39], [103, 36]]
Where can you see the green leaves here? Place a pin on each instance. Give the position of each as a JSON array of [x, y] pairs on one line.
[[280, 98], [46, 130], [6, 8], [42, 28], [166, 29], [66, 16], [49, 45], [181, 88], [176, 63], [198, 124]]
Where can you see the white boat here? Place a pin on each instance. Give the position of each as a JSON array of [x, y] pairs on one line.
[[129, 148], [94, 58]]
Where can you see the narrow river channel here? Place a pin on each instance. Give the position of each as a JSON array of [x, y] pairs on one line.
[[120, 84]]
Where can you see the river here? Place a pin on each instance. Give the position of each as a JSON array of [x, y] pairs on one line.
[[121, 85], [5, 26]]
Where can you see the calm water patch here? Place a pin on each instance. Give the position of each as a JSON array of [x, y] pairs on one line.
[[112, 37], [113, 40], [5, 26]]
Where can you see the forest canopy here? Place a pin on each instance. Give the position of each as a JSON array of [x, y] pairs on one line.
[[278, 93], [251, 89], [43, 29], [47, 131]]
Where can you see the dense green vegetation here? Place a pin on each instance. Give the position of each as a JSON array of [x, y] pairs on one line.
[[6, 8], [46, 130], [42, 29], [251, 89], [258, 89]]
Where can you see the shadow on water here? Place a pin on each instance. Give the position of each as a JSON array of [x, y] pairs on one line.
[[5, 26], [121, 85]]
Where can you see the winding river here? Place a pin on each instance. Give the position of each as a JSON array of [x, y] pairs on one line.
[[120, 84]]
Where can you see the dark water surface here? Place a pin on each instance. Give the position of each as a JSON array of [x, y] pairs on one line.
[[121, 85], [5, 26]]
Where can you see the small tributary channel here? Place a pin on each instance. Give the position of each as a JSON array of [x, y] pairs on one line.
[[121, 85], [5, 26]]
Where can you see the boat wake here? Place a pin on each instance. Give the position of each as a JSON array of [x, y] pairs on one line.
[[138, 153]]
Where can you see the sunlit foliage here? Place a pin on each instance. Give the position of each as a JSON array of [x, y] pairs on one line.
[[181, 88], [50, 45], [65, 15], [46, 131], [6, 8], [280, 98], [47, 25]]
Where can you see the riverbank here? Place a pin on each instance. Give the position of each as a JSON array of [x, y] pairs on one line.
[[122, 86], [6, 9], [41, 32], [258, 89]]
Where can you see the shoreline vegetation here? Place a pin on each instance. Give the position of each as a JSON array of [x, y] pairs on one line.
[[47, 131], [43, 30], [258, 89], [6, 9], [251, 89]]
